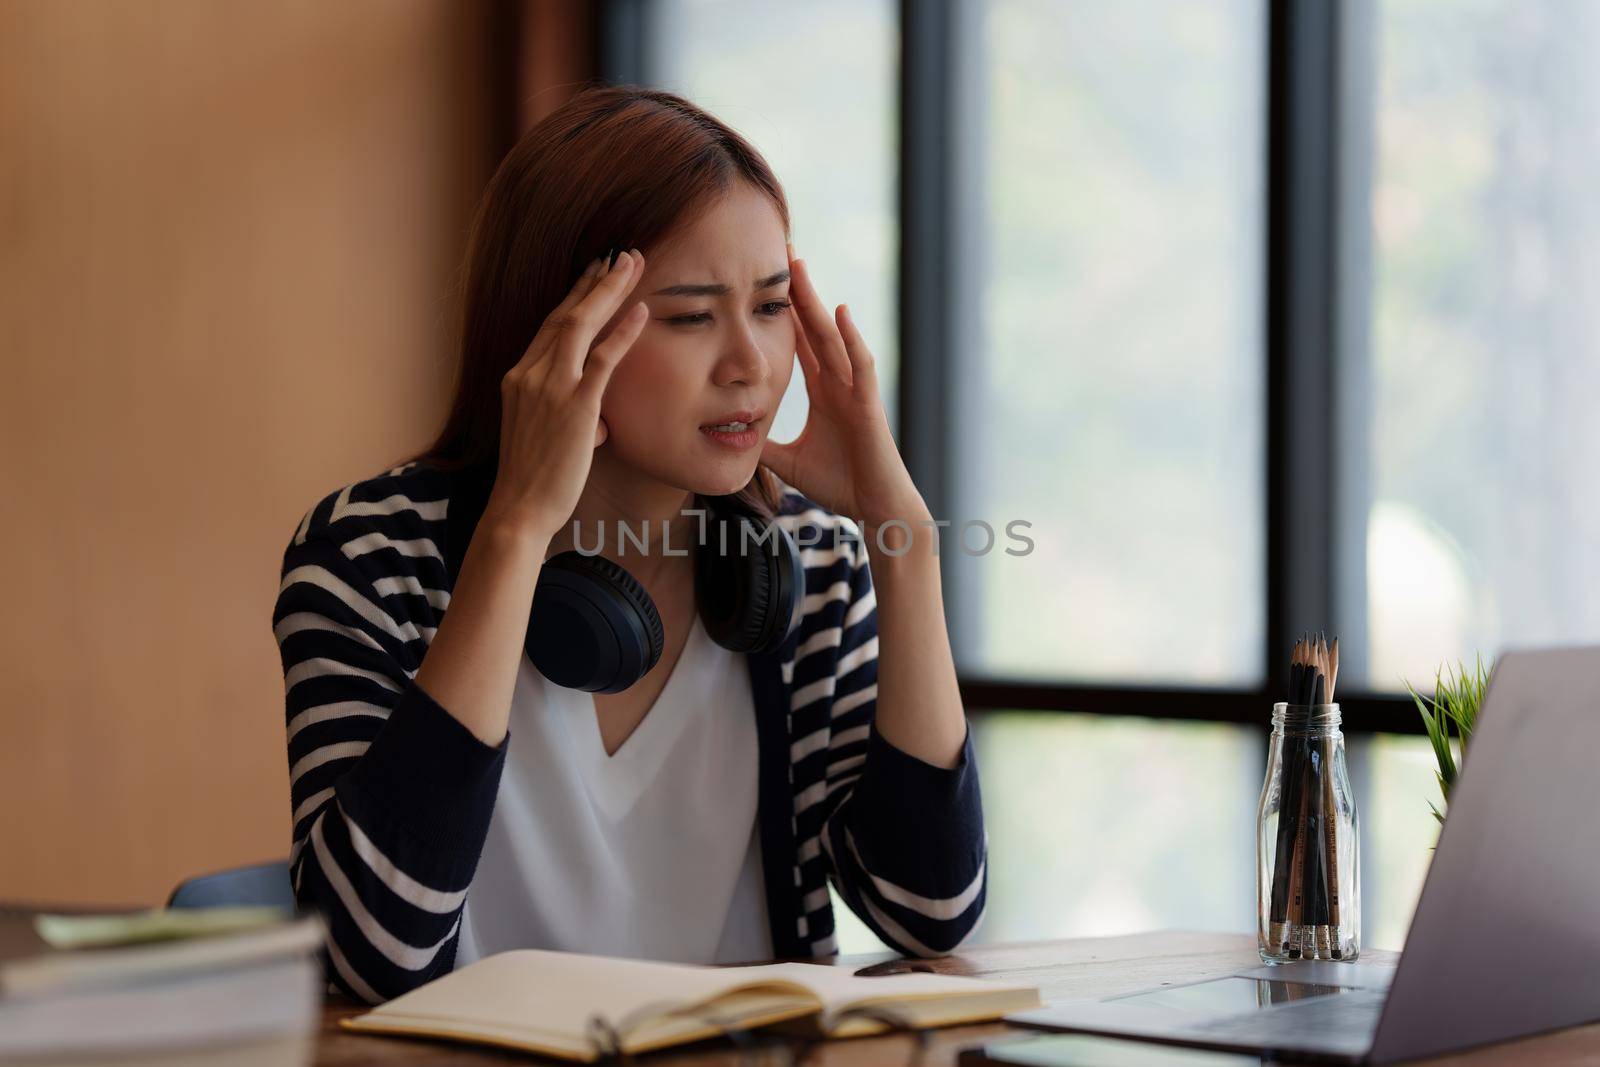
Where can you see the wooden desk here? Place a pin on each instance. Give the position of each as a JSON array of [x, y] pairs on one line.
[[1061, 969]]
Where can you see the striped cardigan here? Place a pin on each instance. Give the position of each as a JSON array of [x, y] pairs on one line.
[[392, 796]]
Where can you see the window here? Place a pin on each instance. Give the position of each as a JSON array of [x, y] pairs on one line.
[[1473, 428], [828, 130], [1115, 399]]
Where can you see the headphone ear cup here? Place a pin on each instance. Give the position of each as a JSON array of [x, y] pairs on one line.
[[630, 588], [747, 596], [791, 590], [783, 585], [593, 626]]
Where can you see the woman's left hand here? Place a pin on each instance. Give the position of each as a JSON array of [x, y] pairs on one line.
[[845, 457]]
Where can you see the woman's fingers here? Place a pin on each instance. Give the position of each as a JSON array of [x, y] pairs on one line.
[[581, 324], [547, 330], [585, 283], [809, 367], [819, 326], [607, 354], [861, 359]]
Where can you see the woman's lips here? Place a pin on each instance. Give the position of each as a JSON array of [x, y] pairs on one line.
[[745, 438]]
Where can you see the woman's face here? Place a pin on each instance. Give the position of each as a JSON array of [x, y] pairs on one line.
[[719, 340]]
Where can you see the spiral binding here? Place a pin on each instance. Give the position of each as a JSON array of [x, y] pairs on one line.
[[605, 1038]]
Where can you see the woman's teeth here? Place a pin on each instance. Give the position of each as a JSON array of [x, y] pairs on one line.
[[731, 427]]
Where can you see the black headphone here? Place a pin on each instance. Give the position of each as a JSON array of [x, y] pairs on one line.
[[593, 626]]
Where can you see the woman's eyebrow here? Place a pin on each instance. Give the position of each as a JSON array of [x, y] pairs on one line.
[[718, 289]]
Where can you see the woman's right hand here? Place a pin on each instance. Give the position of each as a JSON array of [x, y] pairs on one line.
[[550, 421]]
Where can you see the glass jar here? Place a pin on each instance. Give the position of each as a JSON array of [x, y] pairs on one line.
[[1308, 885]]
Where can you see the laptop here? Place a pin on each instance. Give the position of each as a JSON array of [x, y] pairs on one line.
[[1505, 939]]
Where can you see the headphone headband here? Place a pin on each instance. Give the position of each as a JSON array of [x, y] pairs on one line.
[[593, 626]]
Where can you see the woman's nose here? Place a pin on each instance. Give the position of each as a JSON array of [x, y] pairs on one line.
[[745, 364]]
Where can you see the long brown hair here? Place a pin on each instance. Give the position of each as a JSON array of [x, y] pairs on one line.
[[614, 166]]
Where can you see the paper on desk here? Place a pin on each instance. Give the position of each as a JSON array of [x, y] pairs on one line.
[[153, 924]]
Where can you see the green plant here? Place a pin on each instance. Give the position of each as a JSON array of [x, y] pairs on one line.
[[1457, 696]]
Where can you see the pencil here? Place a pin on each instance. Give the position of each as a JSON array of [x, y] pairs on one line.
[[1331, 803], [1317, 870], [1296, 885], [1281, 925]]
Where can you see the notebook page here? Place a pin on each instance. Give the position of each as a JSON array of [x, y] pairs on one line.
[[839, 987], [555, 993], [920, 997]]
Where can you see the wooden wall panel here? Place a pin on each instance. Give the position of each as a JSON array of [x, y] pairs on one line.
[[229, 234]]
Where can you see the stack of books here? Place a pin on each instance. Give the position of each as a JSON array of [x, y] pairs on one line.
[[178, 986]]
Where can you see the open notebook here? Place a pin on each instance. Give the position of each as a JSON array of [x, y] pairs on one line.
[[543, 1001]]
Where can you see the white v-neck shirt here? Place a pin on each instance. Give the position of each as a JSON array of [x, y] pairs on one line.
[[652, 852]]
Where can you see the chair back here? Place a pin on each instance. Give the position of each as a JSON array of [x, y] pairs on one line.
[[261, 883]]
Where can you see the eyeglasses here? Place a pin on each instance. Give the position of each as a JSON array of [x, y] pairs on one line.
[[758, 1047]]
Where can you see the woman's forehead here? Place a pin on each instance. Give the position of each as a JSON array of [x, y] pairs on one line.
[[739, 232]]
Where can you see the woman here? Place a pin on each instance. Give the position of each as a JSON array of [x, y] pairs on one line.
[[699, 813]]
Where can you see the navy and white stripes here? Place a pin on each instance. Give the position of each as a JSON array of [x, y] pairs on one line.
[[392, 796], [902, 840]]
